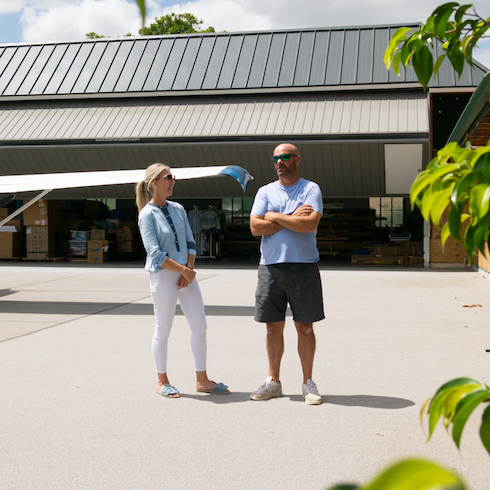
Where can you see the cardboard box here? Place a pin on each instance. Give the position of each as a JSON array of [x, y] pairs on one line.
[[415, 261], [40, 239], [124, 247], [124, 234], [41, 213], [11, 245], [4, 212], [97, 235], [97, 251]]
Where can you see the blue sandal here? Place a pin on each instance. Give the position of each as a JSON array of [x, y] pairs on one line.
[[169, 391], [220, 389]]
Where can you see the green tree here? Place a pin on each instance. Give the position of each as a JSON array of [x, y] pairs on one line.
[[457, 180], [174, 24], [94, 35]]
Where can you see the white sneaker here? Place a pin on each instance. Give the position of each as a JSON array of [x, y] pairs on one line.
[[269, 389], [310, 393]]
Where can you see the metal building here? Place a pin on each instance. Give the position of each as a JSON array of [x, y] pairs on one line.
[[223, 98]]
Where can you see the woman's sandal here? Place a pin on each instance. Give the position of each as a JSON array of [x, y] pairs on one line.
[[169, 391], [220, 389]]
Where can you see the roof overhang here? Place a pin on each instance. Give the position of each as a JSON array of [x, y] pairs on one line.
[[344, 114]]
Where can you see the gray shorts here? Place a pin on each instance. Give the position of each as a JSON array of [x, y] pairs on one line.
[[296, 284]]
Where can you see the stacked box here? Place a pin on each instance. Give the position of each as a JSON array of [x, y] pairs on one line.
[[41, 213], [11, 245], [97, 251], [124, 240], [97, 234], [40, 241]]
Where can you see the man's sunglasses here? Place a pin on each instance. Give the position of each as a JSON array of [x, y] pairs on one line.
[[284, 157]]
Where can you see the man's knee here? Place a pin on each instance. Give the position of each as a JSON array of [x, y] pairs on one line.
[[305, 329], [275, 328]]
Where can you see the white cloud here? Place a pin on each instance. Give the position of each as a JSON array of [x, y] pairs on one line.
[[11, 6], [59, 20], [64, 21]]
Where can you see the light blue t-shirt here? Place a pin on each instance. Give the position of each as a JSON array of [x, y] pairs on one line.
[[159, 239], [287, 246]]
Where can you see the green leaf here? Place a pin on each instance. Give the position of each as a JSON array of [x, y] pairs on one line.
[[439, 205], [455, 221], [416, 474], [396, 39], [483, 164], [458, 16], [480, 200], [456, 57], [141, 5], [485, 429], [462, 185], [464, 409], [447, 397], [427, 202], [396, 63], [445, 234], [423, 65], [441, 16]]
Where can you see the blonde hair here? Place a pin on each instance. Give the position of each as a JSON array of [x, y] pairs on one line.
[[144, 187]]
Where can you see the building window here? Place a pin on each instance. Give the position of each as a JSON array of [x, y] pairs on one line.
[[237, 210], [389, 208]]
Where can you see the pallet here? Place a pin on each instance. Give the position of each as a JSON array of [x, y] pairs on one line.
[[45, 259], [15, 259]]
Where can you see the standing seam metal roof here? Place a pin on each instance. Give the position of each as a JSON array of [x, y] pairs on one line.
[[219, 61]]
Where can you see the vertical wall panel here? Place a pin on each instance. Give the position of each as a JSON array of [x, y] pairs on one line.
[[158, 65], [244, 61], [289, 60], [62, 69], [186, 67], [303, 63], [259, 61], [274, 60], [230, 62], [103, 67], [76, 68], [22, 71], [49, 69], [117, 66], [89, 68], [319, 59], [201, 65]]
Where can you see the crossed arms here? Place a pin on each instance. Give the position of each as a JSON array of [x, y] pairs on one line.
[[302, 220]]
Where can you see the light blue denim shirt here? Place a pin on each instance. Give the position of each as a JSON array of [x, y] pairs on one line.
[[159, 239]]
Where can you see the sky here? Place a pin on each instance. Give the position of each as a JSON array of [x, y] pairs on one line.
[[69, 20]]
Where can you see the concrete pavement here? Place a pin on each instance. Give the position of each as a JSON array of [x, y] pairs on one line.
[[77, 383]]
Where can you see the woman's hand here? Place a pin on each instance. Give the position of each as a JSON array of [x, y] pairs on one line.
[[183, 283], [189, 275]]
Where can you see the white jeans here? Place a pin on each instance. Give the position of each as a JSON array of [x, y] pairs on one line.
[[164, 294]]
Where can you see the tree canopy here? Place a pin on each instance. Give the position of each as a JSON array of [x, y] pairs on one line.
[[175, 24], [167, 24]]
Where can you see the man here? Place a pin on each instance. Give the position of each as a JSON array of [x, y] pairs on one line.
[[286, 214]]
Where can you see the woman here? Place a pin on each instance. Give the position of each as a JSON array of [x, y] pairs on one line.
[[171, 253]]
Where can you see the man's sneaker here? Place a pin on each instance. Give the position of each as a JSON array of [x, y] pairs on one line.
[[310, 393], [269, 389]]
